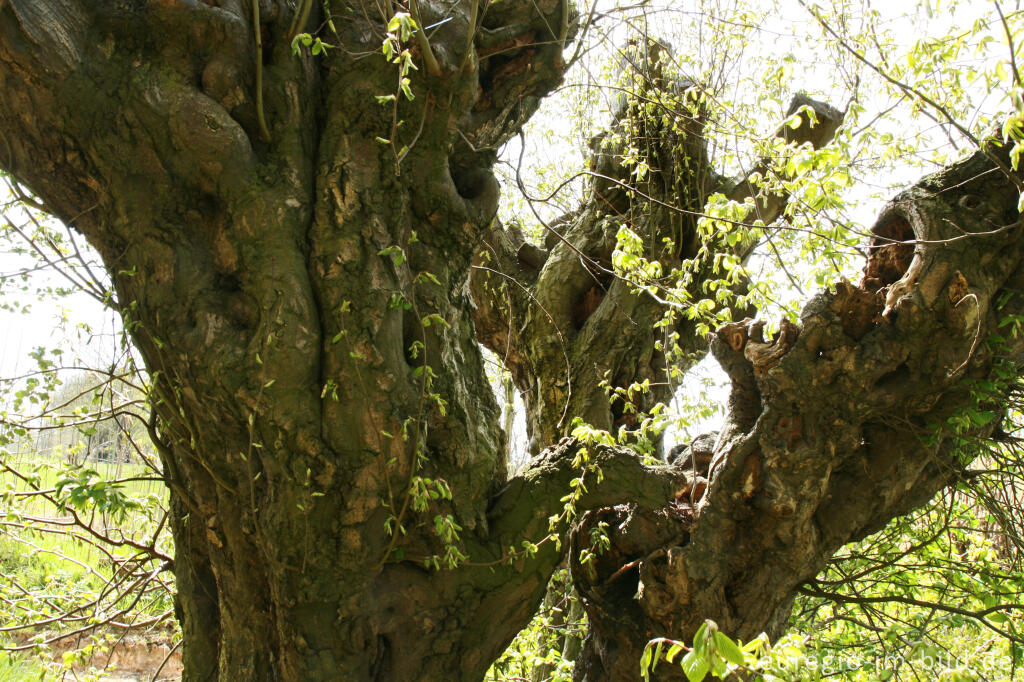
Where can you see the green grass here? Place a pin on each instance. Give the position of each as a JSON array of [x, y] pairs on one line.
[[45, 475], [48, 567], [16, 667]]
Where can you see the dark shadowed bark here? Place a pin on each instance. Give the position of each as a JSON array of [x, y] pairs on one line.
[[292, 256]]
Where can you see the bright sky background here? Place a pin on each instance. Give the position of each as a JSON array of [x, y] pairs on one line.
[[50, 322]]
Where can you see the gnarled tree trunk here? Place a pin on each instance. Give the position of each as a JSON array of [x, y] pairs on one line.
[[290, 239], [298, 295], [835, 426]]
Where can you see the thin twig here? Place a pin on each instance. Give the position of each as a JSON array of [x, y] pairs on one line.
[[164, 662], [1009, 41], [300, 18], [919, 95]]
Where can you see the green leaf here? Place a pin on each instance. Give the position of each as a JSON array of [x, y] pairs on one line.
[[302, 39], [728, 649], [695, 666], [674, 651], [395, 252], [406, 90], [701, 639], [320, 47], [645, 663], [434, 318]]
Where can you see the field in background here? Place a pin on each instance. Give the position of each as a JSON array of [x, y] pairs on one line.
[[78, 574]]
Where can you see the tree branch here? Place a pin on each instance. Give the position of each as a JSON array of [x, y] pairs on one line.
[[835, 426], [571, 303]]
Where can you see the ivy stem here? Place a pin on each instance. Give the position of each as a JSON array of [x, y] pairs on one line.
[[563, 29], [433, 68], [467, 59], [260, 117], [300, 18]]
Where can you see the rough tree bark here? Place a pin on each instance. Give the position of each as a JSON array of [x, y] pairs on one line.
[[835, 426], [300, 296]]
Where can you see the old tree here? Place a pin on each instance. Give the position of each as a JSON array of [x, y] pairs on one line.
[[304, 250]]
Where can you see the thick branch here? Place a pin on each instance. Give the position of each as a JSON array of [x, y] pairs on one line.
[[817, 130], [568, 327], [836, 425], [611, 475]]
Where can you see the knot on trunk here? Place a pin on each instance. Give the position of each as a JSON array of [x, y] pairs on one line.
[[858, 307], [763, 356], [892, 250], [746, 339]]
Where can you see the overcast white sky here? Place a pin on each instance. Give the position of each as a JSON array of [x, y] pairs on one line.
[[76, 322]]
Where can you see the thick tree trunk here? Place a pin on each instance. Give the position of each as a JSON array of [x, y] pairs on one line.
[[298, 295], [329, 435], [291, 249]]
